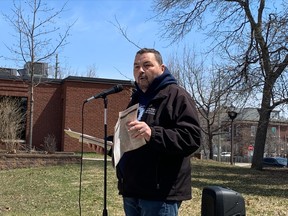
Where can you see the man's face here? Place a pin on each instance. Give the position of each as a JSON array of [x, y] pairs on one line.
[[146, 69]]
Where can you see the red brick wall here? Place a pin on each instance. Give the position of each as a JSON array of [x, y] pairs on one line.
[[58, 106], [13, 88], [48, 111], [75, 94]]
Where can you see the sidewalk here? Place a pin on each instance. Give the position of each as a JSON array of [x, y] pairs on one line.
[[243, 164]]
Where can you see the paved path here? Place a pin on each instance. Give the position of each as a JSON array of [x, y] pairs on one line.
[[243, 164]]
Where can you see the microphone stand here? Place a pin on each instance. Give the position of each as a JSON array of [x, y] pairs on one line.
[[103, 95], [105, 213]]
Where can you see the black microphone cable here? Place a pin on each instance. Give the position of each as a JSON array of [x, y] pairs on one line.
[[81, 162]]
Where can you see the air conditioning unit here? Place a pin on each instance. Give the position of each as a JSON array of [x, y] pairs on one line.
[[40, 69], [9, 71]]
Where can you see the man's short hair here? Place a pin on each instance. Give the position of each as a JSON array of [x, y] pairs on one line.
[[157, 54]]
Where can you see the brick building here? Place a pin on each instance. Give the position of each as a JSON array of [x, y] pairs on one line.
[[244, 130], [59, 104]]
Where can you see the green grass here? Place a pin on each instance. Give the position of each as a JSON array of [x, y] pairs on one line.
[[55, 190]]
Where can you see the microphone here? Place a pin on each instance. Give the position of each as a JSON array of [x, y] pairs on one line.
[[115, 89]]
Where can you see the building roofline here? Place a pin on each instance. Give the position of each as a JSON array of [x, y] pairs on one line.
[[98, 80], [69, 78]]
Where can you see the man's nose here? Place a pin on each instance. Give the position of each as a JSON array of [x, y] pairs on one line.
[[142, 70]]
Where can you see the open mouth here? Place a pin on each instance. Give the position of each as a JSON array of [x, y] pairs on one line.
[[142, 78]]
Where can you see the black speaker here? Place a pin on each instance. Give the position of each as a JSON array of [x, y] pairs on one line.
[[219, 201]]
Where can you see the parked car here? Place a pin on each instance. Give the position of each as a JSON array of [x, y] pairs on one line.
[[275, 161], [225, 154]]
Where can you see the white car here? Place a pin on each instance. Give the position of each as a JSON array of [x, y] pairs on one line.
[[225, 154]]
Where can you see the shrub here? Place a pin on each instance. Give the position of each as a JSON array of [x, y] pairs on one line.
[[11, 118], [50, 143]]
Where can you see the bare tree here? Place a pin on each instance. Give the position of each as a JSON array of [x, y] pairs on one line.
[[251, 37], [210, 89], [92, 71], [39, 37]]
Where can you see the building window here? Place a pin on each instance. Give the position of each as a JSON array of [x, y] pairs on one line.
[[253, 131], [274, 130]]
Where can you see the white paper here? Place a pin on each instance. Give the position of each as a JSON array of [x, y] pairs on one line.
[[87, 139], [123, 142]]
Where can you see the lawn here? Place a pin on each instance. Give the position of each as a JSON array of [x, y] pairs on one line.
[[55, 190]]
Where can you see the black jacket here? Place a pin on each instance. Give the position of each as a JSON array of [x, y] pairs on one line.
[[161, 169]]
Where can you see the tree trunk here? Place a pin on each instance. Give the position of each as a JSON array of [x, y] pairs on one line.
[[31, 113], [261, 133], [210, 142]]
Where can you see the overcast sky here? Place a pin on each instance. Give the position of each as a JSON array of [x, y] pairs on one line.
[[95, 41]]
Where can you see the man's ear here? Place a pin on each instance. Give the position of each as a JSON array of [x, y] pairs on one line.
[[163, 67]]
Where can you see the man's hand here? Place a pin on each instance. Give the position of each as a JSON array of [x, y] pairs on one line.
[[139, 129], [96, 148]]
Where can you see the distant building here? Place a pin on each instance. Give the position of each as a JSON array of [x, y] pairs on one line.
[[245, 126]]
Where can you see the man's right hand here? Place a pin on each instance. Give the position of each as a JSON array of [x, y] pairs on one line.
[[96, 148]]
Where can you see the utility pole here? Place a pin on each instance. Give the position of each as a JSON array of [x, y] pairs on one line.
[[56, 67]]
